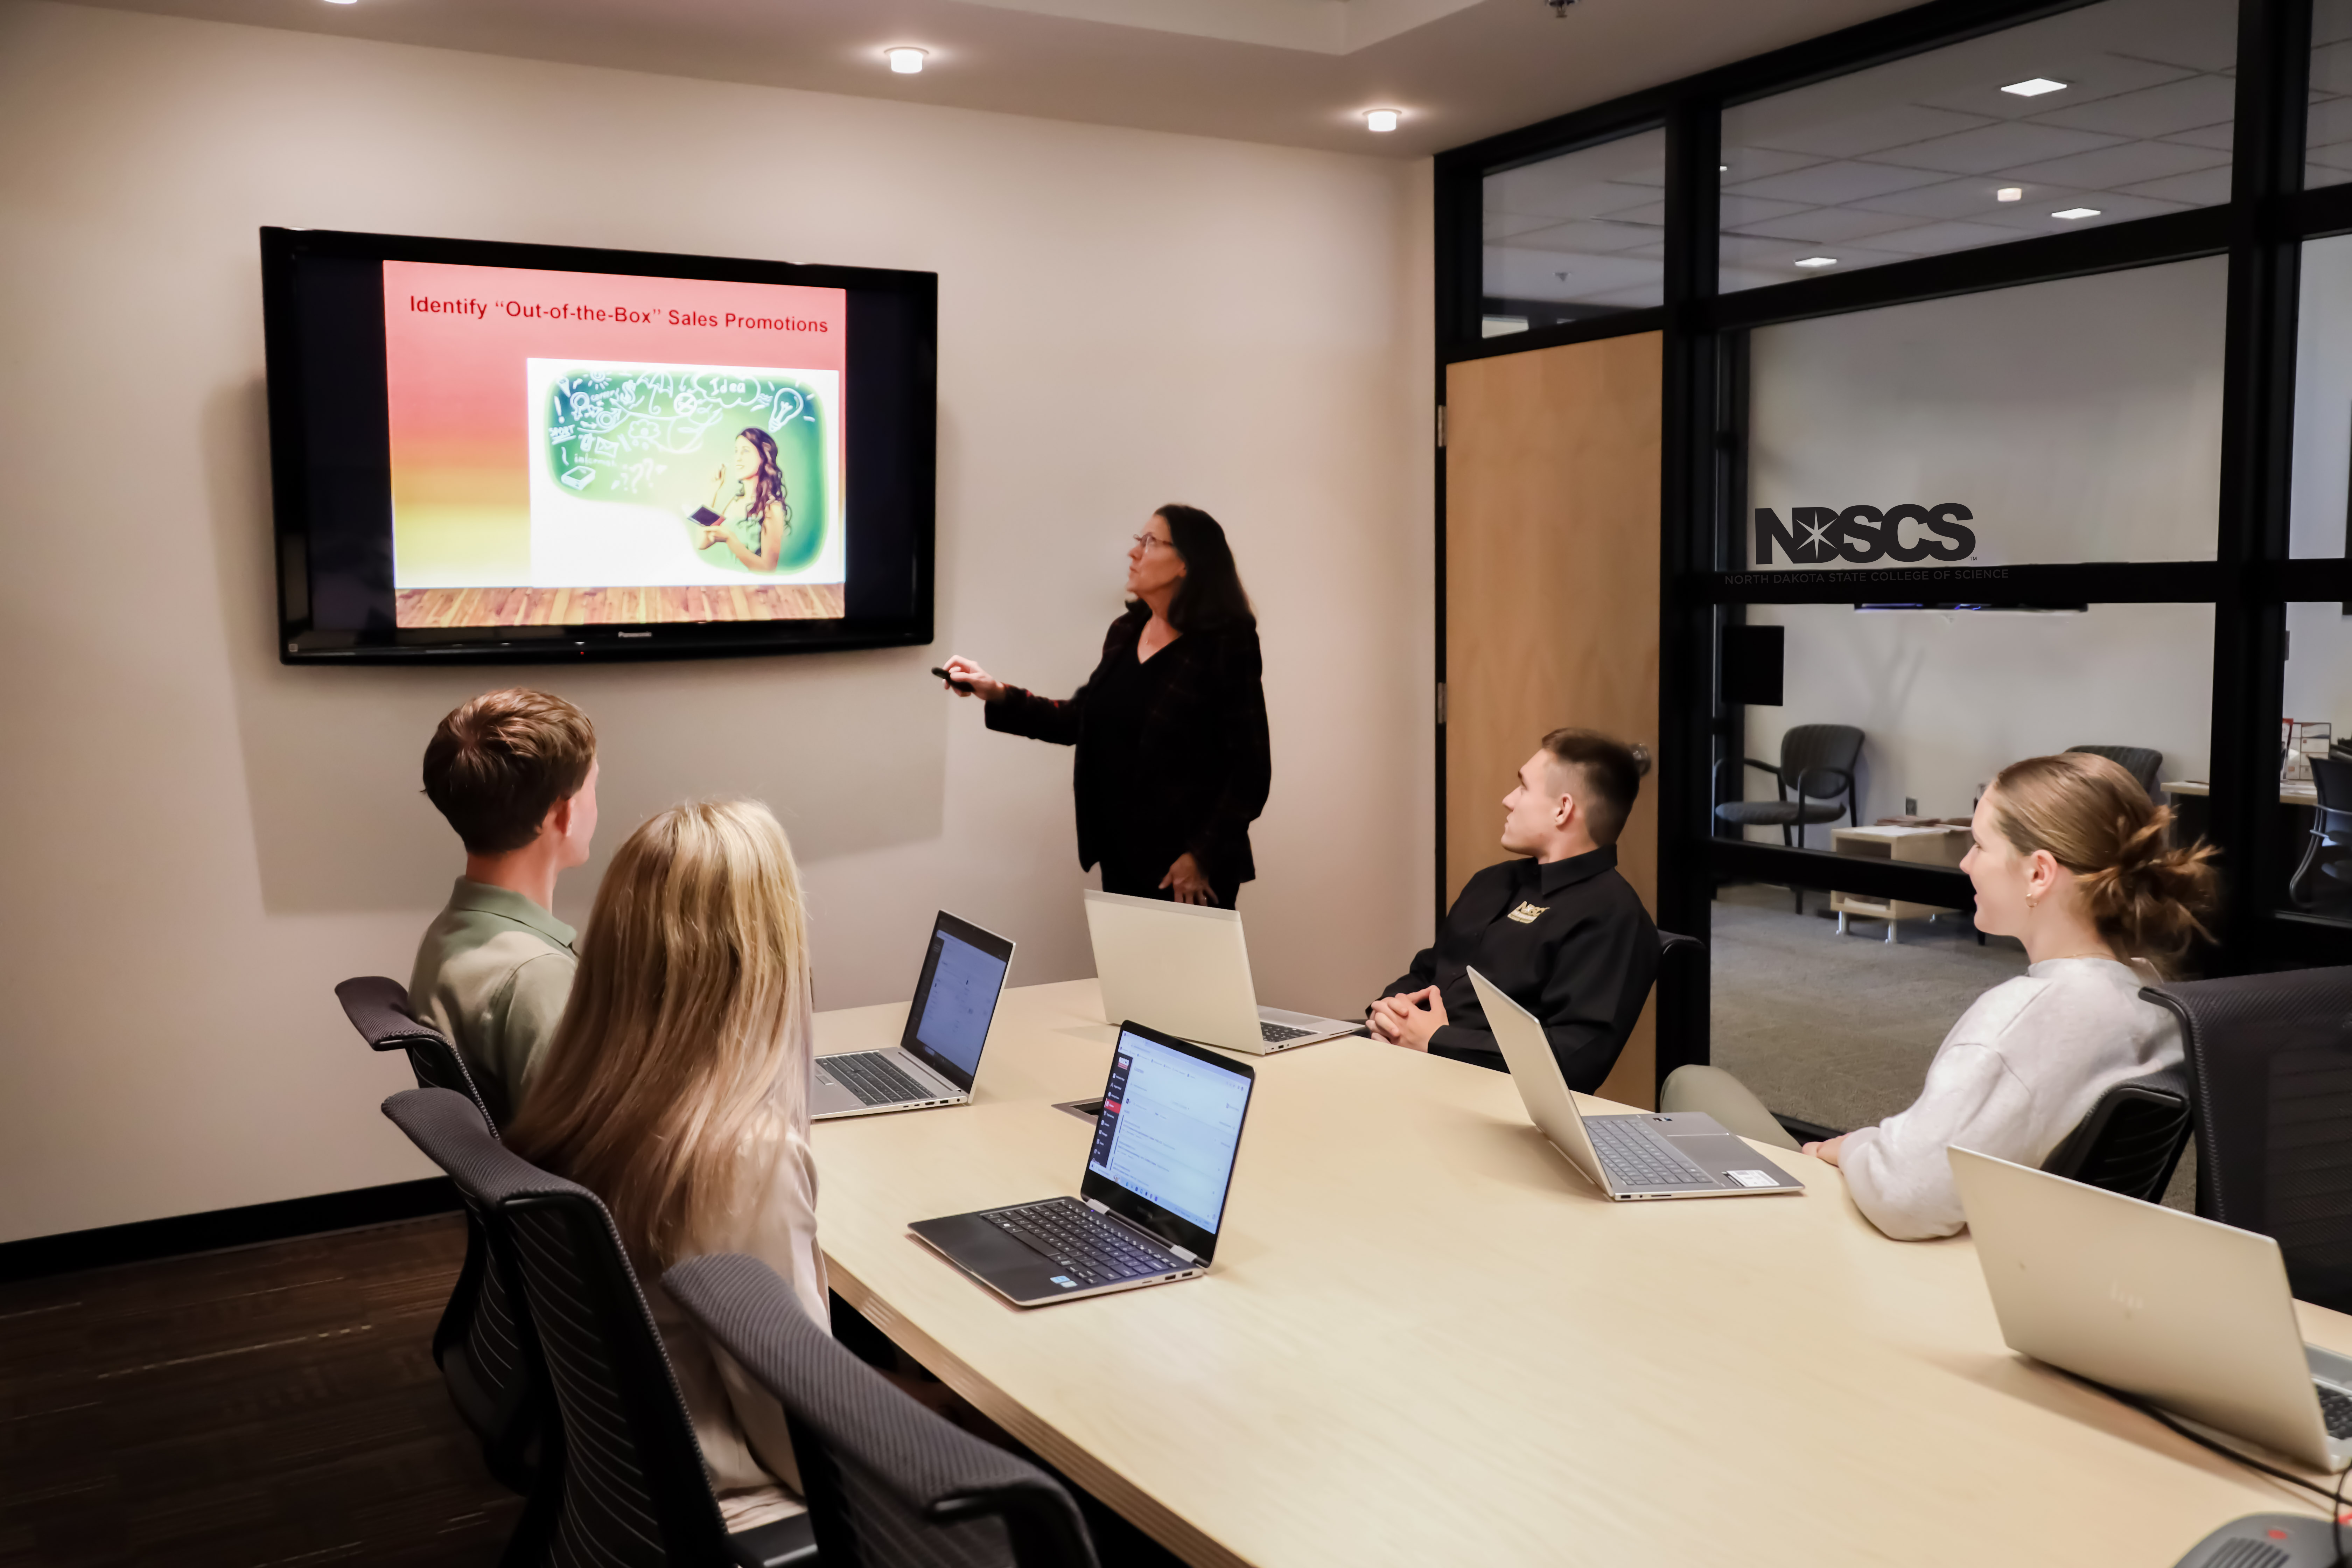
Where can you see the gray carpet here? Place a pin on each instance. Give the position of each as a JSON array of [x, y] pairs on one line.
[[1838, 1030]]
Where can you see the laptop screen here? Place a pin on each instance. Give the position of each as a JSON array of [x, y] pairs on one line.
[[963, 975], [1170, 1129]]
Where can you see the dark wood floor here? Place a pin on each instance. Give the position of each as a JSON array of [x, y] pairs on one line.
[[274, 1405]]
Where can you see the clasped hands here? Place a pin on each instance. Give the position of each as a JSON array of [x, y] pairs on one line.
[[1409, 1019]]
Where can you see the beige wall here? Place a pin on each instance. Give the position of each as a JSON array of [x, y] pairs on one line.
[[199, 842]]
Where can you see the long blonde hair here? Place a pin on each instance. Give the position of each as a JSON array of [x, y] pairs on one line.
[[687, 1034], [2144, 893]]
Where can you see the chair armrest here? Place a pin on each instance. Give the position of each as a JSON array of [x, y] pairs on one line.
[[378, 1009]]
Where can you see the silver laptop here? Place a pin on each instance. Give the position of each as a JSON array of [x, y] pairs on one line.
[[1184, 969], [936, 1058], [1153, 1196], [2187, 1314], [1647, 1154]]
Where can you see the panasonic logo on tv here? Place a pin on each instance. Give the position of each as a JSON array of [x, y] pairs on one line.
[[1817, 535]]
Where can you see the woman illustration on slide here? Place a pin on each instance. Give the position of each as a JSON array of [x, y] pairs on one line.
[[747, 495]]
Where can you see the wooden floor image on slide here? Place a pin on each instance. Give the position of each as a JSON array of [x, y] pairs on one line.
[[422, 607]]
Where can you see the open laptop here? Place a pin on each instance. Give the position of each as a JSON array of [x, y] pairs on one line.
[[1647, 1154], [1186, 968], [1152, 1196], [2188, 1314], [936, 1059]]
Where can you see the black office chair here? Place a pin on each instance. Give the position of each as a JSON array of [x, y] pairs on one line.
[[622, 1481], [2329, 848], [474, 1344], [891, 1485], [1817, 762], [2270, 1068], [2133, 1139], [1672, 944], [2143, 763]]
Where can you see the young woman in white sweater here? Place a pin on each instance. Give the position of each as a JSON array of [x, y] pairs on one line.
[[677, 1090], [2071, 859]]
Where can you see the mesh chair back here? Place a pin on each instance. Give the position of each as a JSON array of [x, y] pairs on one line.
[[378, 1009], [624, 1485], [2270, 1063], [2143, 763], [2332, 777], [476, 1345], [1816, 760], [2131, 1141], [891, 1485]]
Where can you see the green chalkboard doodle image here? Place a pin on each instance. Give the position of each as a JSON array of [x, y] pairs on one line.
[[739, 457]]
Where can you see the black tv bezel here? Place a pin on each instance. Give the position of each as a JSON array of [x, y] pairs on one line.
[[300, 642]]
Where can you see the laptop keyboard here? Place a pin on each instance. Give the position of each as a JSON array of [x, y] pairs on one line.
[[1275, 1034], [1090, 1247], [1634, 1160], [870, 1075], [2335, 1409]]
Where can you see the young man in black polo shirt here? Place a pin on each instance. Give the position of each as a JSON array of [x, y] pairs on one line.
[[1559, 930]]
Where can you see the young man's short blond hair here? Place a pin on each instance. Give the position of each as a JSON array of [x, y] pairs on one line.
[[498, 764]]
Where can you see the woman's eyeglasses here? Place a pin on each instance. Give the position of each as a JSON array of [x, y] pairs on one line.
[[1147, 539]]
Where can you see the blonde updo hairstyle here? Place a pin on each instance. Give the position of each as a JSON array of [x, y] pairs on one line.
[[2143, 894]]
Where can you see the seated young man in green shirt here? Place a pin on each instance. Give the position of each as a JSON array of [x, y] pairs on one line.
[[515, 773]]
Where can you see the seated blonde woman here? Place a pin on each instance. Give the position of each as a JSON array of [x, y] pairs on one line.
[[676, 1088], [2071, 859]]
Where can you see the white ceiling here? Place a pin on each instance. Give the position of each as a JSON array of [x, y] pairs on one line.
[[1291, 72]]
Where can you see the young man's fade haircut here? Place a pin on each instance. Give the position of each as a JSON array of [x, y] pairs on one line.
[[499, 763], [1611, 772]]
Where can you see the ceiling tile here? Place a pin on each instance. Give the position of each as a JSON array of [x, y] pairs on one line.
[[1548, 275], [2110, 168], [1936, 238], [1967, 199], [1588, 238], [2331, 67], [1825, 226], [2182, 105], [1784, 127], [2114, 206], [1831, 184], [2328, 120], [1972, 85], [2203, 189], [1754, 162], [2223, 137], [1992, 148]]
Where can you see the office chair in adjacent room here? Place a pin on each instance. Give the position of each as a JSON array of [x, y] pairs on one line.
[[2143, 763], [622, 1475], [2270, 1070], [1817, 762], [889, 1484], [2329, 849], [474, 1344], [2133, 1139]]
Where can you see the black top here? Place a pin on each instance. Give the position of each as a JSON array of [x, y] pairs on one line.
[[1569, 941], [1173, 754]]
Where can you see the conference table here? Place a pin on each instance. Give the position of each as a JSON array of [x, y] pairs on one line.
[[1425, 1339]]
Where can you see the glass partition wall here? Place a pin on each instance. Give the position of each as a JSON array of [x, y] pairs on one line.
[[2008, 410]]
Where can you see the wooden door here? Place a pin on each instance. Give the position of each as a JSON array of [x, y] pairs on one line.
[[1551, 592]]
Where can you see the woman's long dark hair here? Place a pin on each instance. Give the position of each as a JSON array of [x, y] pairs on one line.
[[768, 484], [1210, 593]]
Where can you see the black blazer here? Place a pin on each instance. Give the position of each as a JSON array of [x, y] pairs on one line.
[[1205, 759]]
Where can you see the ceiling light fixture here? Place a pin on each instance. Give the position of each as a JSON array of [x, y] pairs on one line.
[[2035, 87], [2072, 213], [1818, 261], [2009, 194], [906, 62], [1381, 119]]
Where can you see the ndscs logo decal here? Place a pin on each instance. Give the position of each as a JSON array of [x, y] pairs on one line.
[[1863, 534]]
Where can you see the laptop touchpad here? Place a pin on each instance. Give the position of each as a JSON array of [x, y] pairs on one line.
[[1712, 1150]]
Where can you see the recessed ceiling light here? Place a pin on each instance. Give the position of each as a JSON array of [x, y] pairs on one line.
[[1381, 119], [906, 62], [1723, 168], [2071, 214], [1819, 261], [2034, 87], [2009, 194]]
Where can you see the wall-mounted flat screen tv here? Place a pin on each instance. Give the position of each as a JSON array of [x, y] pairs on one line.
[[486, 452]]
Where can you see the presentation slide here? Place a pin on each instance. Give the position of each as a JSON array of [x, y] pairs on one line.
[[576, 449]]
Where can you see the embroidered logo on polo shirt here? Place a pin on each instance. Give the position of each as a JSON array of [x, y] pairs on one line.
[[1528, 913]]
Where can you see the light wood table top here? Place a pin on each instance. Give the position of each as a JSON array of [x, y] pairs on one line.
[[1426, 1341], [2199, 789]]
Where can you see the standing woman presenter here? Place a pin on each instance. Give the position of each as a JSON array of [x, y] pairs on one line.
[[1173, 760]]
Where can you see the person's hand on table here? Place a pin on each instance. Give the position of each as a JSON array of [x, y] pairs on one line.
[[1409, 1020], [971, 680], [1825, 1150], [708, 537], [1185, 880]]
